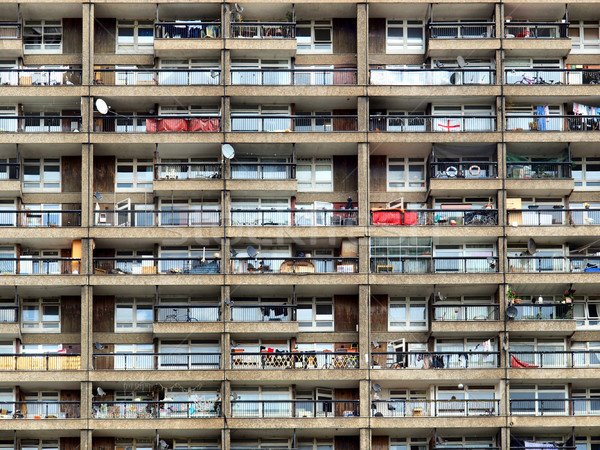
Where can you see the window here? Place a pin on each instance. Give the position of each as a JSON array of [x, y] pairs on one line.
[[314, 174], [176, 309], [188, 213], [466, 443], [389, 253], [135, 36], [41, 175], [41, 404], [248, 309], [532, 351], [202, 72], [41, 316], [585, 36], [242, 72], [194, 260], [134, 444], [586, 354], [528, 121], [267, 212], [586, 311], [196, 444], [469, 258], [586, 172], [41, 215], [408, 444], [468, 400], [134, 175], [38, 444], [316, 444], [260, 167], [189, 168], [314, 36], [465, 353], [315, 314], [407, 313], [42, 36], [519, 70], [262, 122], [133, 314], [405, 36], [450, 123], [538, 400], [189, 355], [406, 173], [40, 348], [134, 356]]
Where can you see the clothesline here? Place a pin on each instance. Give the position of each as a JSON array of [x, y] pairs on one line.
[[584, 110]]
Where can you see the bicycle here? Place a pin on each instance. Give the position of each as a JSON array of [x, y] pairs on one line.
[[175, 318]]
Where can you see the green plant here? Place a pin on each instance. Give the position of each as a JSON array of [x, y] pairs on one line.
[[511, 293], [289, 16]]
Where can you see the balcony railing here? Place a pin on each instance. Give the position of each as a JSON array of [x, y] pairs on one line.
[[462, 30], [40, 124], [42, 361], [41, 410], [270, 265], [551, 76], [556, 407], [546, 170], [157, 361], [431, 77], [294, 408], [161, 218], [436, 217], [187, 313], [436, 360], [156, 410], [293, 77], [544, 217], [552, 123], [39, 266], [148, 266], [263, 313], [436, 264], [555, 359], [10, 30], [264, 30], [460, 312], [422, 124], [263, 171], [294, 217], [10, 171], [187, 171], [556, 264], [41, 218], [295, 360], [193, 29], [538, 30], [9, 314], [39, 77], [434, 408], [156, 124], [294, 123], [160, 77], [463, 169]]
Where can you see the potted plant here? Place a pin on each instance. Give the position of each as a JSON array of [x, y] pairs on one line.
[[512, 296], [568, 296]]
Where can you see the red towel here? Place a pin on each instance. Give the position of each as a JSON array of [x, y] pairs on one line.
[[514, 362]]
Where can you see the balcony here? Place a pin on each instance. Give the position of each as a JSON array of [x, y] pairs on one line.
[[436, 264], [536, 30], [187, 313], [39, 266], [157, 361], [432, 124], [435, 217], [569, 123], [152, 266], [294, 360], [40, 410], [156, 410], [555, 359], [263, 313], [436, 360], [187, 171], [547, 217], [186, 38], [293, 265], [294, 408], [293, 77], [157, 218], [434, 408], [39, 362], [554, 264], [157, 77], [10, 39], [431, 77], [444, 312], [537, 39], [156, 124], [538, 170], [40, 77], [294, 217], [462, 30], [294, 123], [40, 124], [463, 169], [555, 407], [447, 39], [40, 218], [550, 76], [263, 30]]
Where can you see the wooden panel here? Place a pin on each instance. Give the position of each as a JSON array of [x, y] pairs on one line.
[[347, 442], [380, 443], [345, 312], [344, 124], [344, 35], [104, 35], [104, 313], [69, 443], [68, 125], [66, 267], [376, 35], [72, 348], [103, 443], [72, 36], [71, 219], [379, 313], [349, 405], [105, 362], [345, 173], [378, 173], [104, 173], [71, 174], [70, 314], [71, 410]]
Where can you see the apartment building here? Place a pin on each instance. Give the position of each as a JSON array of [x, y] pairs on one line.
[[312, 226]]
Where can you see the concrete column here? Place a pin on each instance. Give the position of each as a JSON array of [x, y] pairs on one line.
[[226, 114], [86, 399], [226, 20], [499, 19], [87, 186], [363, 184], [226, 199], [226, 351], [86, 327], [365, 438], [87, 43], [225, 295], [85, 440], [364, 263], [225, 439], [362, 42], [365, 398], [364, 342], [226, 398], [362, 110], [226, 65], [504, 438]]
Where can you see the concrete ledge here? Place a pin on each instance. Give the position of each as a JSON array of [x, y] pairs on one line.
[[541, 327], [392, 137], [537, 47], [548, 187], [454, 47], [436, 278], [186, 47], [460, 328], [153, 424], [436, 375], [447, 186]]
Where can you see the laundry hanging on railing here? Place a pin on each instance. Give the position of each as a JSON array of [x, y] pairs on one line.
[[514, 362], [543, 110], [584, 110]]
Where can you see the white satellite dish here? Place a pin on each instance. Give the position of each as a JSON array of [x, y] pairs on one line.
[[227, 151], [238, 7], [461, 61], [101, 106]]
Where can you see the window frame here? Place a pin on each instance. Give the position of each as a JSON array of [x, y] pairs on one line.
[[42, 47], [313, 324], [136, 46], [406, 162], [40, 325], [405, 47], [409, 323], [315, 185], [136, 184], [41, 185], [136, 325], [313, 46]]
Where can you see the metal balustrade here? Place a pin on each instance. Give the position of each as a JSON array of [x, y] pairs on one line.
[[40, 124], [293, 217], [39, 362], [293, 77], [435, 217], [448, 312], [39, 77], [9, 314], [555, 359], [536, 30], [150, 266], [463, 169], [294, 360], [558, 264], [293, 265], [551, 76], [10, 30], [156, 409], [157, 361], [537, 170], [120, 123], [263, 30], [429, 124], [555, 407], [40, 410], [187, 171], [192, 29], [158, 77], [158, 218], [431, 77], [436, 360], [294, 408], [435, 264], [434, 408], [294, 123], [462, 30], [262, 171], [553, 122], [545, 217], [31, 218], [187, 313], [39, 266], [263, 313]]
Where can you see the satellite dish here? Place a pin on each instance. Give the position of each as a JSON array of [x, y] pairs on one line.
[[101, 106], [98, 346], [100, 392], [213, 73], [162, 445], [227, 151], [461, 61], [252, 253], [531, 246], [375, 344], [238, 8], [441, 297], [438, 64], [511, 312], [376, 387]]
